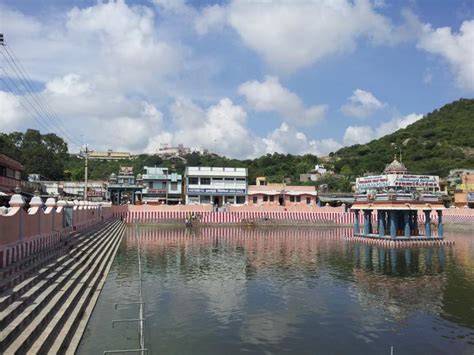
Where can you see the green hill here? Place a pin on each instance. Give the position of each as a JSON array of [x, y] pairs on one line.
[[440, 141]]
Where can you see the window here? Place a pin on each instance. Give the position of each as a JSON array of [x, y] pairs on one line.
[[240, 200], [193, 181], [292, 198], [240, 179], [205, 181], [150, 184], [255, 199], [308, 200], [193, 199], [205, 199], [218, 180], [265, 198], [174, 186], [229, 199], [272, 198], [229, 180], [298, 198]]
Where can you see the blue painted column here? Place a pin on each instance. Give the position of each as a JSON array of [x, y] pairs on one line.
[[356, 222], [366, 222], [381, 223], [393, 224], [440, 224], [406, 217], [427, 224]]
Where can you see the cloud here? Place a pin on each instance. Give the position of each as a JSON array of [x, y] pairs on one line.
[[295, 35], [456, 48], [270, 95], [364, 134], [222, 125], [362, 104], [286, 139], [12, 113]]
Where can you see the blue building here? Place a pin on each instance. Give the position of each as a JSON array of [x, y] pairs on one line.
[[160, 186]]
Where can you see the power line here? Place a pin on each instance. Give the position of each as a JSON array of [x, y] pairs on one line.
[[48, 117], [45, 104]]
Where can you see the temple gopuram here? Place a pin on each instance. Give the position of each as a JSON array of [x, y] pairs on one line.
[[398, 207]]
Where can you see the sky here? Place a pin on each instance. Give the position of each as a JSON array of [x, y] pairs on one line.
[[241, 78]]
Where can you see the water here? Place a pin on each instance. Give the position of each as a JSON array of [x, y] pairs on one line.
[[299, 291]]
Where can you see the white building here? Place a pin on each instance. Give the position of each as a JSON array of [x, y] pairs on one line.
[[217, 186]]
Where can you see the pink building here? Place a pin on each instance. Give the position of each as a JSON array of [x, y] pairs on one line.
[[282, 195]]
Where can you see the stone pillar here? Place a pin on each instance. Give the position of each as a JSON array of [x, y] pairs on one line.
[[406, 217], [371, 228], [17, 201], [440, 224], [393, 224], [356, 222], [36, 206], [381, 216], [366, 222], [427, 224], [415, 222]]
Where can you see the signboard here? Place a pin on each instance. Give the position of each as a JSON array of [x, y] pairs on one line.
[[414, 180], [393, 180], [216, 191], [372, 182], [156, 191]]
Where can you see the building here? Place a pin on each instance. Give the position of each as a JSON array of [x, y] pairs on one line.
[[124, 188], [398, 198], [464, 194], [109, 155], [96, 190], [217, 186], [10, 175], [315, 174], [160, 186], [166, 151], [280, 194]]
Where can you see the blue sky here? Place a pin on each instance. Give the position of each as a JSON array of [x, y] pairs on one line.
[[256, 77]]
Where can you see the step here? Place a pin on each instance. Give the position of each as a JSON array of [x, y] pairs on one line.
[[39, 259], [48, 278], [60, 329], [29, 313], [79, 282], [9, 296], [17, 306]]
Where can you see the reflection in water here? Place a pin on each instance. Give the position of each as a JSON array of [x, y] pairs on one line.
[[216, 290]]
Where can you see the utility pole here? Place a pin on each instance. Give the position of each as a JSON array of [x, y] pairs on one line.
[[86, 162]]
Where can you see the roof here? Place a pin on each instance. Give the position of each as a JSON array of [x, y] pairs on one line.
[[11, 163], [395, 167], [208, 171], [276, 189]]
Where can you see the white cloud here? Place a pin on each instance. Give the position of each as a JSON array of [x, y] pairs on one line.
[[270, 95], [211, 17], [286, 139], [294, 35], [456, 48], [222, 125], [364, 134], [12, 113], [362, 104]]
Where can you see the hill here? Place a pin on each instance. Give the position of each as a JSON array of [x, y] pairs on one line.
[[440, 141]]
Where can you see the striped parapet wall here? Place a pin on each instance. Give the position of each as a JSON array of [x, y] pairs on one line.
[[26, 232], [245, 217], [450, 216]]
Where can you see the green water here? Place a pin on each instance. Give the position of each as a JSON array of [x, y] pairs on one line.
[[286, 290]]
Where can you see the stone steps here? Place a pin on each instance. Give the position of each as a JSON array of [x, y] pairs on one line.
[[52, 280], [45, 318], [45, 275], [15, 273]]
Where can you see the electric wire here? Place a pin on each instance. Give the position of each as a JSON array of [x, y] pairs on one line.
[[28, 95], [38, 95]]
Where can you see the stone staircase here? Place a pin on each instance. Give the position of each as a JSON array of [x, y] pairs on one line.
[[46, 300]]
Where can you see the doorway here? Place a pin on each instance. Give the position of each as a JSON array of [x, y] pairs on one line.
[[281, 200]]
